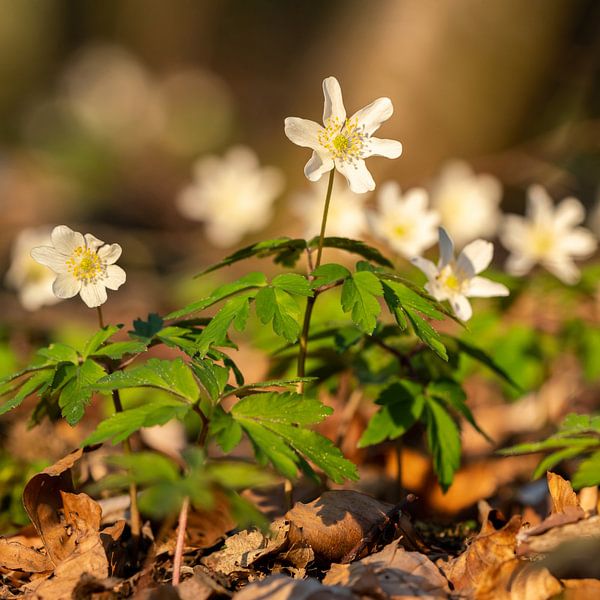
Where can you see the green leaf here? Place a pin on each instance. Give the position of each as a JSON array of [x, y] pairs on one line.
[[121, 425], [288, 382], [405, 296], [77, 393], [250, 281], [119, 349], [549, 444], [293, 284], [443, 438], [172, 376], [401, 406], [329, 273], [426, 333], [354, 247], [215, 333], [146, 330], [452, 394], [359, 295], [588, 473], [98, 339], [225, 429], [553, 459], [213, 377], [285, 250], [39, 381], [288, 407], [280, 307], [59, 353]]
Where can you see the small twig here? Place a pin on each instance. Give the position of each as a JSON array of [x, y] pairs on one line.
[[181, 527]]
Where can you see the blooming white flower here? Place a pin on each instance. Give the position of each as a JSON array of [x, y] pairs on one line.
[[32, 281], [467, 202], [344, 143], [403, 220], [83, 265], [456, 279], [547, 235], [346, 216], [232, 195]]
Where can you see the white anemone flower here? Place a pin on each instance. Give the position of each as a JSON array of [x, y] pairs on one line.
[[83, 265], [403, 221], [346, 216], [344, 143], [468, 203], [232, 195], [456, 280], [32, 281], [547, 235]]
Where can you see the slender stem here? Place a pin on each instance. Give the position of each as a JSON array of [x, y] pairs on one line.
[[310, 302], [136, 525], [181, 527]]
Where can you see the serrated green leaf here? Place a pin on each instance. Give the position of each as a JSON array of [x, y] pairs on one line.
[[38, 382], [59, 353], [402, 404], [146, 330], [588, 473], [279, 307], [120, 426], [288, 382], [553, 459], [293, 284], [76, 393], [549, 444], [329, 273], [443, 439], [172, 376], [574, 423], [119, 349], [407, 297], [250, 281], [354, 247], [147, 467], [287, 407], [426, 333], [213, 377], [101, 336], [359, 296], [225, 429]]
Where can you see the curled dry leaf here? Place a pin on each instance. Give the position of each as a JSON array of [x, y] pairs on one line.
[[280, 587], [17, 556]]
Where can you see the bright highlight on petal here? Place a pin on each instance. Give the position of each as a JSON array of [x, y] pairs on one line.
[[548, 236], [343, 142], [82, 265], [456, 280]]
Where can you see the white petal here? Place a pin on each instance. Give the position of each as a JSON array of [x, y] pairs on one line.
[[358, 176], [115, 277], [109, 254], [539, 204], [93, 294], [425, 265], [372, 116], [446, 248], [92, 241], [66, 286], [579, 242], [416, 201], [334, 104], [379, 147], [65, 240], [569, 212], [461, 307], [513, 231], [475, 257], [303, 132], [564, 269], [519, 264], [316, 166], [48, 256], [480, 287]]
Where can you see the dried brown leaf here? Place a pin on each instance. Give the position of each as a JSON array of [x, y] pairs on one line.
[[17, 556], [280, 587], [581, 589], [561, 493]]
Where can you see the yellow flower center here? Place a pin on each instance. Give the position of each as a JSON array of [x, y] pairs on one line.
[[85, 265], [344, 141], [448, 279], [542, 242], [400, 230]]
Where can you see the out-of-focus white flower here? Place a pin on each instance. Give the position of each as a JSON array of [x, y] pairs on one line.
[[547, 235], [32, 281], [467, 202], [456, 280], [344, 143], [346, 216], [232, 195], [594, 220], [83, 265], [403, 220]]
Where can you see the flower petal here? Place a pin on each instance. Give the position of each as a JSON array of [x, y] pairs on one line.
[[564, 268], [303, 132], [109, 254], [115, 277], [461, 307], [540, 207], [66, 286], [92, 241], [579, 242], [480, 287], [357, 175], [65, 240], [475, 257], [334, 104], [569, 212], [446, 248], [372, 116], [93, 294], [519, 264], [316, 166], [379, 147], [48, 256], [425, 265]]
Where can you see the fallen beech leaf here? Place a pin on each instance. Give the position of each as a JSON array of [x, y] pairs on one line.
[[16, 556], [561, 493], [487, 550], [336, 522], [280, 587], [581, 589], [394, 573], [200, 586]]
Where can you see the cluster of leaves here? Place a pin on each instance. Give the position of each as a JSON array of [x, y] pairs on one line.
[[578, 436]]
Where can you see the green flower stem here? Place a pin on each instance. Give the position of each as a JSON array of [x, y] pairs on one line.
[[310, 302], [136, 524]]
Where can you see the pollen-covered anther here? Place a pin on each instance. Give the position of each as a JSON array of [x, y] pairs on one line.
[[344, 141], [85, 265]]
